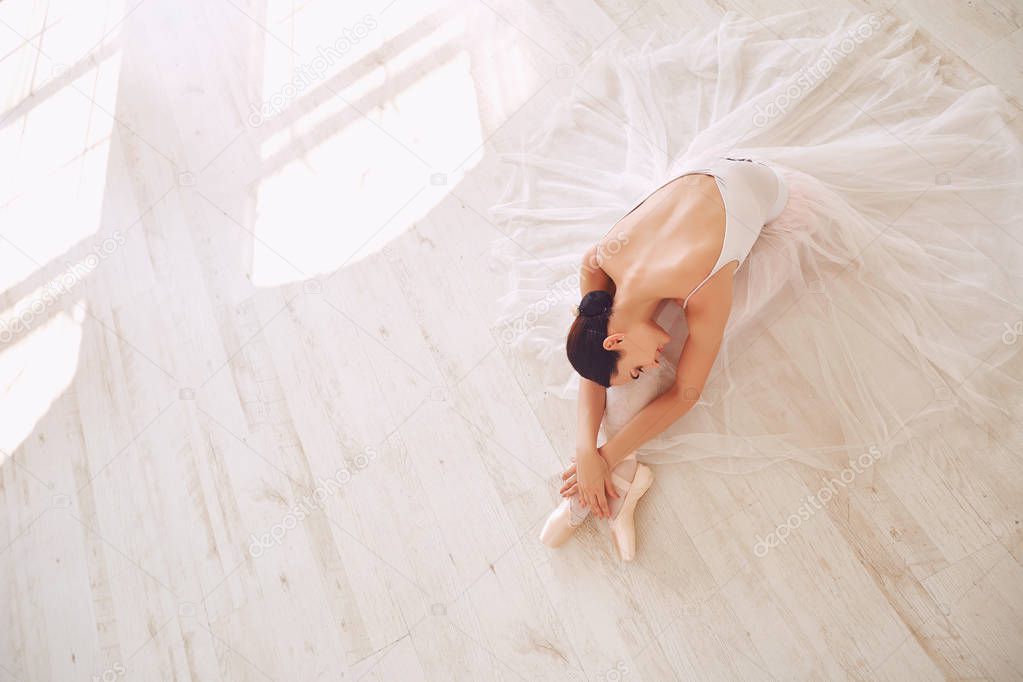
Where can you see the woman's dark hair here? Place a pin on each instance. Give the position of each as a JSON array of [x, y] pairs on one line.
[[585, 345]]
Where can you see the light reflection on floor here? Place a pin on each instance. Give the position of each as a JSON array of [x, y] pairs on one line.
[[55, 171], [321, 208], [34, 370], [60, 71]]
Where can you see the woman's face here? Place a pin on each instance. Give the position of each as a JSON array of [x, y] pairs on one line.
[[640, 347]]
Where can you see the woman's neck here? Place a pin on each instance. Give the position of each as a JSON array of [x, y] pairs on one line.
[[630, 307]]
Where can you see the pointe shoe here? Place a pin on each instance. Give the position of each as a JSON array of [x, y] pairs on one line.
[[560, 525], [623, 525]]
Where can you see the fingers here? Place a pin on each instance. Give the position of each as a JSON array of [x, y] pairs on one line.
[[570, 483], [570, 471], [593, 502]]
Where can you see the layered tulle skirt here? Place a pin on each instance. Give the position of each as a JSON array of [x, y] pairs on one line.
[[888, 291]]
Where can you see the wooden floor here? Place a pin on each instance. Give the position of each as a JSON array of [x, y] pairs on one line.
[[254, 423]]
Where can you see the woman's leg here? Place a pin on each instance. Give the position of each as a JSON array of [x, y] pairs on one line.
[[625, 471], [570, 513]]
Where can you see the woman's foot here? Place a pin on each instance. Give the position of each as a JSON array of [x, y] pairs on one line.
[[563, 521], [622, 523]]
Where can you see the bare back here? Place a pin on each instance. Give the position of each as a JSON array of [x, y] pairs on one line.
[[666, 246]]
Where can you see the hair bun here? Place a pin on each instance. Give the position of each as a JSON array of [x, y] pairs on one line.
[[596, 303]]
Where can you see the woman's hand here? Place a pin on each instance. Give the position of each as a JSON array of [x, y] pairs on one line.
[[590, 478]]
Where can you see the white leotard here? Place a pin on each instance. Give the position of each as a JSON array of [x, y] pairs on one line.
[[753, 192]]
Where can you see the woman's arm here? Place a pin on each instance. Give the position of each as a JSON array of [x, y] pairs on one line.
[[706, 327], [591, 472], [592, 401], [592, 396]]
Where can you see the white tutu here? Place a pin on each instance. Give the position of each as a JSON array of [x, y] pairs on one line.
[[889, 289]]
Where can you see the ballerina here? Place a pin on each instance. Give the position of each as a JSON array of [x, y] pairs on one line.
[[874, 305], [684, 242]]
